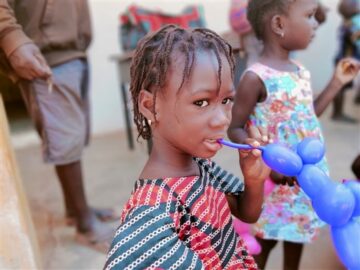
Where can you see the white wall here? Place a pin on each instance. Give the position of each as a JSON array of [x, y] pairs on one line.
[[107, 109], [319, 56]]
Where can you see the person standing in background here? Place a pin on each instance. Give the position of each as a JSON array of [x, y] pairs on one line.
[[43, 48], [349, 46]]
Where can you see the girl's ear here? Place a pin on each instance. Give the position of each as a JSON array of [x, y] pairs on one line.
[[146, 104], [277, 25]]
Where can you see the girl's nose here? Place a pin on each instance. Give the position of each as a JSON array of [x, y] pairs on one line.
[[221, 117]]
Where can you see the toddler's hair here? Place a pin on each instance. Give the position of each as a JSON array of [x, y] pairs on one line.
[[259, 10], [152, 59]]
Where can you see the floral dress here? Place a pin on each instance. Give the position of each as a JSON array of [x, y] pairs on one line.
[[180, 223], [289, 115]]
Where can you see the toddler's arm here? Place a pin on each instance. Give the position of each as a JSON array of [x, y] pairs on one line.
[[249, 91], [345, 71], [247, 205]]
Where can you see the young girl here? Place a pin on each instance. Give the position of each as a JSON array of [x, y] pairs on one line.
[[179, 213], [275, 94]]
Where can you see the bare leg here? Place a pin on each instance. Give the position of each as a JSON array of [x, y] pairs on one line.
[[355, 167], [338, 107], [357, 98], [91, 231], [338, 104], [357, 89], [266, 247], [70, 176], [292, 255]]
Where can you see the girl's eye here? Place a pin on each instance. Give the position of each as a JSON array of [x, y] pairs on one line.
[[228, 100], [201, 103]]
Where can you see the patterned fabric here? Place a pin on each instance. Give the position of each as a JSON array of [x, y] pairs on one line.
[[180, 223], [289, 115], [238, 19], [136, 22]]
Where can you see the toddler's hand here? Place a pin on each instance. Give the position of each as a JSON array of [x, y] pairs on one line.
[[280, 179], [251, 163], [346, 70]]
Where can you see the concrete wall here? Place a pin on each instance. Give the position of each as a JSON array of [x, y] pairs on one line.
[[106, 100]]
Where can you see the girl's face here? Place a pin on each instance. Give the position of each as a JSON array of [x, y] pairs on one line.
[[300, 24], [192, 119]]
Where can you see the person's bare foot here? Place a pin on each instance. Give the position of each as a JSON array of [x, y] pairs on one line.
[[98, 238], [103, 214], [357, 99], [344, 118]]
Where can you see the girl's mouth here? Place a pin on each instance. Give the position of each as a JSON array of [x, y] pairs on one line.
[[213, 144]]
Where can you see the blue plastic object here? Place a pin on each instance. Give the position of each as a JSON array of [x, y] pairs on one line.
[[311, 150], [240, 146], [346, 240], [312, 180], [354, 186], [278, 157], [335, 204]]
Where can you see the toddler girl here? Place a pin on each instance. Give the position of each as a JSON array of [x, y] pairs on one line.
[[275, 93]]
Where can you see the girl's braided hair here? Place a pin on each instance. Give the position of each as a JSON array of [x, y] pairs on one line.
[[152, 59]]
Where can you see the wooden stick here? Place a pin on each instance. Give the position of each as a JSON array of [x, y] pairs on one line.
[[18, 243]]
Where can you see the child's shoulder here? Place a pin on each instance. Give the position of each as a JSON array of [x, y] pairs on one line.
[[221, 179], [266, 72], [209, 166], [256, 66], [260, 71], [298, 64], [262, 67]]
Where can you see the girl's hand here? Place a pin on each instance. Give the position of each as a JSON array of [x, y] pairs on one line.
[[346, 70], [280, 179], [251, 163]]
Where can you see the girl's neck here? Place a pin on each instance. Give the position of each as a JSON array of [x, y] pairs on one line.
[[276, 57], [165, 161]]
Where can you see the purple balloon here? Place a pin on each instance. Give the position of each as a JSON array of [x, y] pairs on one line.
[[282, 159], [311, 150], [354, 186], [278, 157], [346, 240], [335, 204], [312, 180]]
